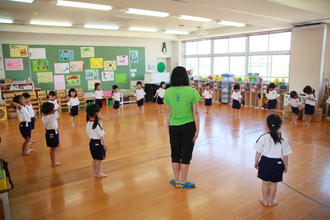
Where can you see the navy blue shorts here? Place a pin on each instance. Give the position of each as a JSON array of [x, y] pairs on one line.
[[272, 104], [52, 138], [97, 150], [98, 102], [309, 109], [160, 100], [295, 110], [236, 104], [25, 129], [271, 169], [32, 123], [74, 110], [116, 105], [140, 102], [208, 102]]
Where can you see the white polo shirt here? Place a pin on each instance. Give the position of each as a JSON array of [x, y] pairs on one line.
[[55, 104], [96, 133], [31, 110], [161, 92], [310, 102], [116, 96], [271, 95], [98, 94], [139, 94], [236, 95], [295, 102], [74, 101], [267, 147], [207, 94], [50, 121], [24, 114]]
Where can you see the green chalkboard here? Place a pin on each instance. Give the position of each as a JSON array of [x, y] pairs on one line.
[[108, 53]]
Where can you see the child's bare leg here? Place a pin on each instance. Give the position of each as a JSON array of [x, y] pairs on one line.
[[265, 193], [53, 157], [99, 174], [184, 168], [272, 193], [25, 147], [94, 167], [176, 171]]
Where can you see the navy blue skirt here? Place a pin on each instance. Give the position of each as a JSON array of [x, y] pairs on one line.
[[74, 110], [309, 109], [272, 104], [116, 105], [98, 102], [140, 102], [97, 150], [52, 138], [271, 169], [208, 102], [160, 100], [236, 104], [295, 110], [32, 123], [25, 129]]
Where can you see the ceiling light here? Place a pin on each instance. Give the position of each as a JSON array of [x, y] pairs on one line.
[[6, 20], [230, 23], [83, 5], [147, 12], [46, 23], [24, 1], [193, 18], [108, 27], [176, 32], [142, 29]]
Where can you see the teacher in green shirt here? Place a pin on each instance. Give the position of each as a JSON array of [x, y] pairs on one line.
[[182, 107]]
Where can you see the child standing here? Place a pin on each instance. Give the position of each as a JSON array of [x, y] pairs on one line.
[[96, 134], [98, 94], [29, 106], [295, 104], [49, 120], [139, 94], [52, 99], [24, 125], [116, 99], [271, 96], [73, 105], [273, 151], [237, 99], [310, 102], [160, 93], [208, 97]]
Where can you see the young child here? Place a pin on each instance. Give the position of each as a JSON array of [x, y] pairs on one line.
[[24, 125], [73, 105], [49, 120], [29, 106], [271, 96], [310, 102], [295, 104], [237, 99], [208, 97], [139, 93], [98, 94], [52, 99], [160, 93], [97, 144], [116, 99], [273, 151]]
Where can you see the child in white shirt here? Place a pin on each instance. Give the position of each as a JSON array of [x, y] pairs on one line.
[[98, 94], [271, 96], [29, 106], [73, 105], [310, 102], [116, 99], [207, 94], [236, 99], [52, 99], [139, 94], [160, 93], [295, 104]]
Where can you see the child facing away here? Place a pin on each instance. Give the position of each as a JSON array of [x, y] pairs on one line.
[[96, 134], [29, 106], [208, 97], [73, 105], [24, 123], [271, 96], [271, 159], [49, 121], [116, 99], [52, 99], [98, 94], [310, 102], [160, 93], [237, 99], [295, 104], [139, 93]]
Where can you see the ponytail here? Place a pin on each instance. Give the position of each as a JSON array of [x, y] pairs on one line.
[[274, 123], [92, 111], [96, 121]]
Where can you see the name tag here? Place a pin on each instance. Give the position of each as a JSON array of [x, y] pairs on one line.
[[96, 144], [279, 162]]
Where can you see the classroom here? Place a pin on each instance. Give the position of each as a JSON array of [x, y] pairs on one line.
[[165, 109]]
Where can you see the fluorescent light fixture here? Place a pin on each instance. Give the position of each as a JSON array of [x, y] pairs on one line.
[[6, 20], [194, 18], [176, 32], [108, 27], [142, 29], [46, 23], [24, 1], [147, 12], [83, 5], [231, 23]]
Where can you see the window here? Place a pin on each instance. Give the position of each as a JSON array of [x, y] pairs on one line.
[[204, 66], [259, 64], [237, 45], [191, 48], [221, 46], [192, 64], [280, 66], [221, 65], [204, 47], [280, 41], [237, 65], [258, 43]]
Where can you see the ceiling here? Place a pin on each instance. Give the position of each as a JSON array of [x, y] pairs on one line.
[[257, 14]]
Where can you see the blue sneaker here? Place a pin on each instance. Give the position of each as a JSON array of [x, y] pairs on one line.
[[175, 183], [188, 185]]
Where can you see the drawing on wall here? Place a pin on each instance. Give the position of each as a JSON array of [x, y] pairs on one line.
[[87, 51], [62, 67], [37, 53], [121, 77], [77, 66], [108, 76], [73, 80], [134, 56], [92, 74], [96, 63], [44, 77], [110, 65], [65, 55], [122, 60], [14, 64], [18, 50], [91, 84], [39, 65], [59, 82]]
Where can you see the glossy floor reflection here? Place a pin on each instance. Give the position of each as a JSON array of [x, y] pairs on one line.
[[138, 168]]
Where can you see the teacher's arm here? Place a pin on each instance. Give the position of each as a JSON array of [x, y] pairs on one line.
[[196, 117]]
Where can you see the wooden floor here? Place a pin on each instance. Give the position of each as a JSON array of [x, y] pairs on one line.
[[138, 168]]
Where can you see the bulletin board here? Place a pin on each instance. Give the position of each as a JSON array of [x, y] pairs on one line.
[[79, 66]]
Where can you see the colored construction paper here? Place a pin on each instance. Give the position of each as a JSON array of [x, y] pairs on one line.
[[91, 84], [134, 56], [37, 53], [96, 63], [72, 80], [87, 51], [14, 64], [44, 77], [59, 82], [92, 74], [65, 55], [108, 76], [77, 66], [122, 60], [39, 65], [18, 50], [110, 65], [62, 67], [121, 77]]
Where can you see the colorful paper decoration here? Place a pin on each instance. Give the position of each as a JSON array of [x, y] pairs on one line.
[[65, 55], [14, 64], [96, 63], [44, 77], [39, 65], [73, 80], [87, 51], [92, 74], [91, 84], [62, 67], [77, 66], [18, 50], [110, 65], [108, 76], [134, 56], [59, 82], [121, 77], [161, 67], [122, 60], [37, 53]]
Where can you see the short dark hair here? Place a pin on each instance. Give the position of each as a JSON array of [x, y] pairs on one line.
[[26, 95], [271, 86], [72, 90], [17, 98], [114, 87], [139, 83], [96, 85], [179, 77], [293, 94], [162, 82], [308, 90], [274, 123], [47, 107], [52, 93], [236, 87], [208, 84], [91, 111]]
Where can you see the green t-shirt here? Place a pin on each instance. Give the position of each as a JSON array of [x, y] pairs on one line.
[[180, 101]]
